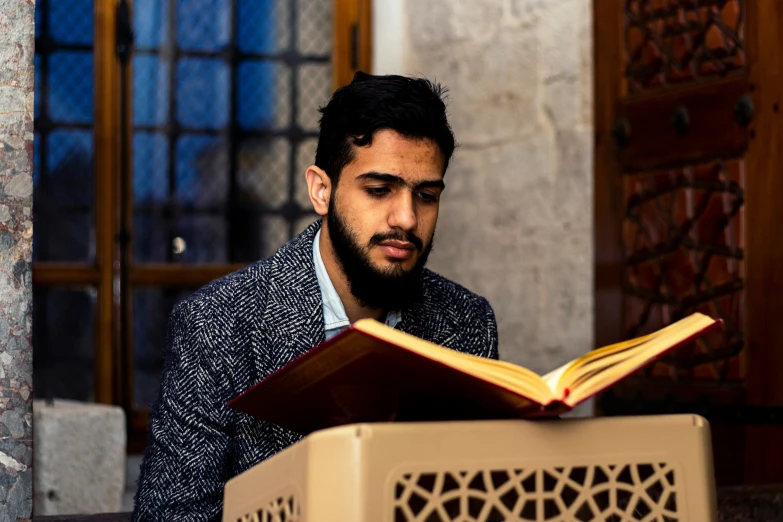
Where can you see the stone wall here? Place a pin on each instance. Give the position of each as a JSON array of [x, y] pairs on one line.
[[516, 219], [16, 232]]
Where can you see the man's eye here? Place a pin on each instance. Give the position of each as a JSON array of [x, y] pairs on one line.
[[377, 191], [428, 197]]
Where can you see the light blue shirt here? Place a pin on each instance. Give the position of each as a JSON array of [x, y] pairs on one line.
[[335, 318]]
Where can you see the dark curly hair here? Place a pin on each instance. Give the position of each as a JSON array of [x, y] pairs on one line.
[[413, 107]]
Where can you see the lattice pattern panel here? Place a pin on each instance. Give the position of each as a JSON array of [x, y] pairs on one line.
[[684, 246], [281, 509], [225, 101], [640, 491], [674, 41]]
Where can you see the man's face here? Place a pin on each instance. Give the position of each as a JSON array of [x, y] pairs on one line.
[[382, 217]]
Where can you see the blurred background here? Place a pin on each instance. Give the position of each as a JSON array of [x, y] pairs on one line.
[[599, 191]]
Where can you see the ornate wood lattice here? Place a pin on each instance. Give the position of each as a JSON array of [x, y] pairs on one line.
[[684, 245], [674, 41]]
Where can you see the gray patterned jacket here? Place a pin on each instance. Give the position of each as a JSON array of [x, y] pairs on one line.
[[234, 332]]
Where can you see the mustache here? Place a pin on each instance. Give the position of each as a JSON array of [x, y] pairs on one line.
[[410, 237]]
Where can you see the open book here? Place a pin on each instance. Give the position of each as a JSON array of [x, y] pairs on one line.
[[372, 372]]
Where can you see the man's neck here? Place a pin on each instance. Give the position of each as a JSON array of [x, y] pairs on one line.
[[353, 309]]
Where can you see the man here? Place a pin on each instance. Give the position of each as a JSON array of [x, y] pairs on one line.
[[384, 147]]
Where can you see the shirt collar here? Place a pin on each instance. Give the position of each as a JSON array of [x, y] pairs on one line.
[[333, 309]]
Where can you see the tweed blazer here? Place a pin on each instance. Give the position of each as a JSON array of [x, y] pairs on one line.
[[234, 332]]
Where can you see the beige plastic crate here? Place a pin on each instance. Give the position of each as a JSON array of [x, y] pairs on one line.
[[617, 468]]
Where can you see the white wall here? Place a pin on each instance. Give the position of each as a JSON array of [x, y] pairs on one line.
[[516, 218], [390, 37]]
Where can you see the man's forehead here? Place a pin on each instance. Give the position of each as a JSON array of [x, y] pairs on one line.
[[410, 158]]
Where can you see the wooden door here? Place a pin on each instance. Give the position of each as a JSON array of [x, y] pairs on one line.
[[688, 198]]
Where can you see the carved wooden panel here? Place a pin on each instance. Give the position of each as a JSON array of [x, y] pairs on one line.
[[670, 42], [684, 251]]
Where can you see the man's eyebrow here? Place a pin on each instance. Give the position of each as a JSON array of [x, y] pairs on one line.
[[397, 180]]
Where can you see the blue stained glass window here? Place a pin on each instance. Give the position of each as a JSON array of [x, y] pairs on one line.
[[257, 96], [203, 25], [70, 86], [202, 171], [150, 23], [261, 25], [64, 198], [63, 149], [150, 167], [203, 87], [150, 90], [71, 21], [70, 157]]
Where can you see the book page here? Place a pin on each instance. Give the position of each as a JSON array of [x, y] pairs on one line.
[[590, 375], [552, 378], [595, 357]]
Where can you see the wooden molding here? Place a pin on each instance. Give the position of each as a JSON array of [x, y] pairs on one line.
[[178, 275], [607, 208], [106, 165], [764, 252], [65, 274], [352, 40]]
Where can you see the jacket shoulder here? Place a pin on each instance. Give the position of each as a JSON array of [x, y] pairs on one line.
[[469, 315], [224, 305]]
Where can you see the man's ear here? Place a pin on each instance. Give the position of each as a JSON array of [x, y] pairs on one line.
[[319, 188]]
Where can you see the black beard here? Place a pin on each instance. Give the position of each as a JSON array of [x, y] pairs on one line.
[[392, 289]]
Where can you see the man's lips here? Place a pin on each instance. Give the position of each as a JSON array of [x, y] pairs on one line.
[[397, 249]]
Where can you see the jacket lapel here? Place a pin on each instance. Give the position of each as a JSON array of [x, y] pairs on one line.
[[427, 319], [292, 321]]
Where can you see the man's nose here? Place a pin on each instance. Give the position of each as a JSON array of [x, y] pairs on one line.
[[403, 213]]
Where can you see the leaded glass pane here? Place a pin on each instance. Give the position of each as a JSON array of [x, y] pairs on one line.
[[150, 23], [263, 172], [63, 360], [71, 21], [70, 87], [63, 211], [264, 95], [151, 77], [64, 149], [203, 25], [263, 26], [203, 86], [314, 34]]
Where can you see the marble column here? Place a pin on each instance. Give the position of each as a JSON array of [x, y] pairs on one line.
[[17, 42]]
